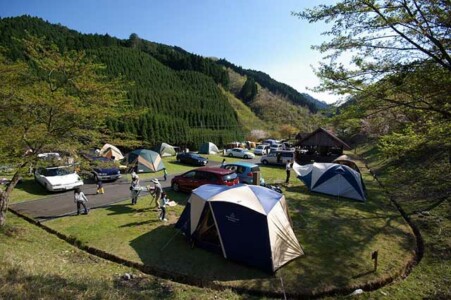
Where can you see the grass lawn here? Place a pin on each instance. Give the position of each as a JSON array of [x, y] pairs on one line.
[[37, 265], [431, 278], [338, 236]]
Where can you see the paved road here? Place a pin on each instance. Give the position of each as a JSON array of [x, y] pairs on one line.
[[62, 204]]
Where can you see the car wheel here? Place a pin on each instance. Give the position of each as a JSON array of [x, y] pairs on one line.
[[245, 157], [265, 162], [230, 155], [176, 187]]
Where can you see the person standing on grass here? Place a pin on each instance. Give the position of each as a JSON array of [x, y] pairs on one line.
[[223, 163], [163, 202], [158, 190], [288, 170], [81, 200]]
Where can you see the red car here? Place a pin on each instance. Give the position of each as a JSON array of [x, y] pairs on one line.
[[200, 176]]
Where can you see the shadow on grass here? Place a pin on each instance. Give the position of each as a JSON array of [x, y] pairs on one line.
[[166, 248], [339, 235], [30, 186]]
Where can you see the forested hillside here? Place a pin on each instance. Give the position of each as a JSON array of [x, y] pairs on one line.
[[178, 92], [274, 109], [183, 107], [277, 88]]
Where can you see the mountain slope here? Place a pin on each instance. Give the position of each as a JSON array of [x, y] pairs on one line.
[[276, 87], [184, 107]]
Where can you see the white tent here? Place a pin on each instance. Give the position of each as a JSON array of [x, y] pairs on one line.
[[110, 151], [208, 148]]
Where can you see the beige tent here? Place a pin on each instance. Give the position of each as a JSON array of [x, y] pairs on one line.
[[347, 161], [110, 151], [245, 223]]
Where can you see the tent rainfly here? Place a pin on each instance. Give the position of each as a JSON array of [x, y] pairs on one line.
[[145, 161], [245, 223], [332, 179], [111, 151], [208, 148], [347, 161], [165, 150]]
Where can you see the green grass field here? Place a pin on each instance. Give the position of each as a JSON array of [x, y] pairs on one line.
[[38, 265], [338, 236]]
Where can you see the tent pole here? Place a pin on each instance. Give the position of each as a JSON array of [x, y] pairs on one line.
[[283, 288], [170, 240]]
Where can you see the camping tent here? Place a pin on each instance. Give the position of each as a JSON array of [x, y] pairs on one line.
[[165, 150], [144, 161], [347, 161], [246, 223], [110, 151], [333, 179], [208, 148]]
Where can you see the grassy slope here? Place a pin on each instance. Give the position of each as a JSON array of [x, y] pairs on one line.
[[246, 117], [338, 236], [37, 265], [267, 111], [431, 278]]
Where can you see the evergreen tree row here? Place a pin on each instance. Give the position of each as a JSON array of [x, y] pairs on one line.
[[181, 107]]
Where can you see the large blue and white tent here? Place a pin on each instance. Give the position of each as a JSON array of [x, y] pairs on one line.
[[245, 223], [332, 179]]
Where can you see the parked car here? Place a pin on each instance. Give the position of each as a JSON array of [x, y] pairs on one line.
[[191, 159], [200, 176], [103, 168], [275, 147], [56, 179], [245, 171], [278, 157], [262, 149], [238, 152]]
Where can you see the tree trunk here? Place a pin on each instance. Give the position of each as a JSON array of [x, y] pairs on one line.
[[3, 207], [4, 198]]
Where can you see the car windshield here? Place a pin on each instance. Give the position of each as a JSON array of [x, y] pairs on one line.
[[58, 171], [196, 156]]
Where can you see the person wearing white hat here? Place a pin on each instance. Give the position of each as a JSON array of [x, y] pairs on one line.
[[135, 189], [158, 189]]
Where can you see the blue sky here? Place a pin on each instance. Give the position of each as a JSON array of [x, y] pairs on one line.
[[255, 34]]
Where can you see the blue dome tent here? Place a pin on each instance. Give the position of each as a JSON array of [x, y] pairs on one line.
[[332, 179]]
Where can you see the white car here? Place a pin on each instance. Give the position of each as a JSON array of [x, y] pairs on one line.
[[55, 179], [261, 149], [238, 152]]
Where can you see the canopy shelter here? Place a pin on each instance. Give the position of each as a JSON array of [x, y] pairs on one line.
[[244, 223], [111, 151], [323, 140], [332, 179], [144, 161]]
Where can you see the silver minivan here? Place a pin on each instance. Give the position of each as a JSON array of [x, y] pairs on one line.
[[277, 157], [261, 149]]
